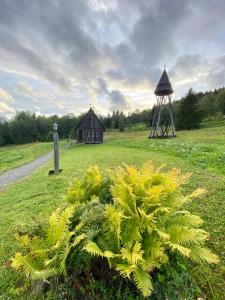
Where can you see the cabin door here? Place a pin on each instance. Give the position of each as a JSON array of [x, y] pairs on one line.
[[81, 135]]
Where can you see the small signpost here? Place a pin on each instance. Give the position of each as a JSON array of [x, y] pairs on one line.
[[56, 151]]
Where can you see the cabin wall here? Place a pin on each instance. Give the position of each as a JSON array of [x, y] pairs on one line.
[[93, 136], [90, 131]]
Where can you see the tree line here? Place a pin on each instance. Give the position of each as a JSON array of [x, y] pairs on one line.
[[189, 111]]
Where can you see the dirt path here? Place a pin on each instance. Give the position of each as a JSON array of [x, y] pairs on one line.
[[23, 171]]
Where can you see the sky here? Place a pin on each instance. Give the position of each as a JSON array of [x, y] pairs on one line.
[[61, 56]]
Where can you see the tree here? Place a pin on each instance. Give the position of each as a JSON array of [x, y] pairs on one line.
[[207, 105], [189, 114], [121, 123], [221, 101]]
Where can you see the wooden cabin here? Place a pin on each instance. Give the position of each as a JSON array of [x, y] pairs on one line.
[[90, 129]]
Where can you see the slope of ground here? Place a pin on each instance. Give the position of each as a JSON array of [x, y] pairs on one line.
[[201, 152]]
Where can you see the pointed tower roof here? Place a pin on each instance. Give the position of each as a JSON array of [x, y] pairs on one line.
[[164, 86]]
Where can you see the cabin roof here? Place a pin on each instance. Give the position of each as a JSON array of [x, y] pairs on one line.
[[164, 86], [87, 116]]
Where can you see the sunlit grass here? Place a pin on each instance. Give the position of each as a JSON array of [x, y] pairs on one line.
[[18, 155], [198, 151], [15, 156]]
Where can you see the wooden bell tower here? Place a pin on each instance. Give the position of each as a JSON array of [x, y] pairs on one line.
[[163, 123]]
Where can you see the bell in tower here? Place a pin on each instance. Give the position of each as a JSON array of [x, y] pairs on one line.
[[163, 123]]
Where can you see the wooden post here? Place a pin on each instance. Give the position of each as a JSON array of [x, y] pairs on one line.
[[56, 151]]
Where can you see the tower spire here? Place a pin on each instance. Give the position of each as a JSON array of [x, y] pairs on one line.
[[162, 123]]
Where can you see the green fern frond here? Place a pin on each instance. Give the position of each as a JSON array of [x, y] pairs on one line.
[[195, 194], [125, 269], [183, 234], [163, 235], [200, 255], [132, 253], [77, 240], [29, 266], [153, 246], [147, 221], [58, 225], [124, 196], [17, 261], [114, 219], [149, 263], [143, 281], [93, 249], [185, 219], [183, 250]]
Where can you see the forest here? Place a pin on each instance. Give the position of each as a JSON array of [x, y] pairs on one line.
[[189, 112]]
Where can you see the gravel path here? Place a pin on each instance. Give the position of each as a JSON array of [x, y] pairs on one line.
[[23, 171]]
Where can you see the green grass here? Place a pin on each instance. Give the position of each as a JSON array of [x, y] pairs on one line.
[[201, 152], [15, 156]]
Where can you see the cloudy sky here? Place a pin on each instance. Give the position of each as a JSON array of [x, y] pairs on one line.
[[60, 56]]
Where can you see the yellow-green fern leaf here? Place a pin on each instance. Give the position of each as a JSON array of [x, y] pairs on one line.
[[143, 281], [92, 248], [125, 269], [132, 253], [200, 255]]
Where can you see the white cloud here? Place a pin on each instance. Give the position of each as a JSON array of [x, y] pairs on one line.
[[6, 109], [5, 96], [25, 89]]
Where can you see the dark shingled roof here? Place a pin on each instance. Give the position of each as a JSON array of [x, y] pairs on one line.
[[164, 86], [88, 115]]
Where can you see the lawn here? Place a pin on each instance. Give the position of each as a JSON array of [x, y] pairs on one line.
[[15, 156], [201, 152]]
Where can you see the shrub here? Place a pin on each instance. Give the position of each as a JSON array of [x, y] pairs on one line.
[[83, 189], [146, 221], [45, 256], [133, 218]]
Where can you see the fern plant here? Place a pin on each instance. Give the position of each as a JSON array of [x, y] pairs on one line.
[[146, 221], [83, 189], [133, 218], [43, 257]]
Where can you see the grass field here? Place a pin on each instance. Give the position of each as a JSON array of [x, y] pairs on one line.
[[15, 156], [201, 152]]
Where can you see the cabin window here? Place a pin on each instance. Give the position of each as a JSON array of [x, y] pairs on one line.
[[89, 133]]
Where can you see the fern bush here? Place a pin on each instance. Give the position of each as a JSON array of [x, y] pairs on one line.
[[45, 256], [133, 217], [146, 221], [83, 189]]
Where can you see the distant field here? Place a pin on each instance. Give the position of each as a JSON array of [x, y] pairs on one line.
[[201, 152]]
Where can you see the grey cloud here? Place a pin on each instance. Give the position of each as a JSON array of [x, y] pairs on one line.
[[56, 25], [71, 33], [187, 66], [36, 63], [117, 100], [115, 74], [155, 30], [102, 86], [73, 43]]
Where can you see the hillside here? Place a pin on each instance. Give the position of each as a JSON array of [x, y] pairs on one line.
[[201, 152]]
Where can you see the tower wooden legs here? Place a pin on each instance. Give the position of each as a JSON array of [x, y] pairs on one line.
[[163, 123]]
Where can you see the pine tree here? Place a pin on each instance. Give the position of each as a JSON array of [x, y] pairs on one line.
[[189, 112]]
